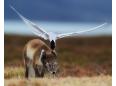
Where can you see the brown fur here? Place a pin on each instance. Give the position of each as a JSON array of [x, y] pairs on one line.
[[37, 45], [31, 56]]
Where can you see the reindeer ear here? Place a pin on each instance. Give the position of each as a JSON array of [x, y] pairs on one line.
[[52, 44]]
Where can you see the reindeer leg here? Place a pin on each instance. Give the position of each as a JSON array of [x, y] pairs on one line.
[[39, 72], [26, 68], [26, 72]]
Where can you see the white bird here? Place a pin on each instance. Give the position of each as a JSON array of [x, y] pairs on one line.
[[51, 36]]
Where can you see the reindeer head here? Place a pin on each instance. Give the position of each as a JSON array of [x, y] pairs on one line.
[[49, 60]]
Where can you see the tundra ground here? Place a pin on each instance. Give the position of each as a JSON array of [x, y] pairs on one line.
[[83, 61], [67, 81]]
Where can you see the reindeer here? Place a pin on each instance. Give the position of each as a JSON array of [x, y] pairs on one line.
[[40, 57]]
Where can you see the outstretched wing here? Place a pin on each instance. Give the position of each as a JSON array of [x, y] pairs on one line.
[[35, 29], [80, 32]]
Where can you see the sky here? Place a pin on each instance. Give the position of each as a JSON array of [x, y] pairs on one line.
[[61, 10]]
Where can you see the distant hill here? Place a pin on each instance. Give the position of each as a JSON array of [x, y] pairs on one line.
[[61, 10]]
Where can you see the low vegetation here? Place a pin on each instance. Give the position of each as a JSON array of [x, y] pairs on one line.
[[83, 61], [68, 81]]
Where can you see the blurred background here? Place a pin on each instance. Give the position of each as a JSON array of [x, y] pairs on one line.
[[88, 54], [59, 15]]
